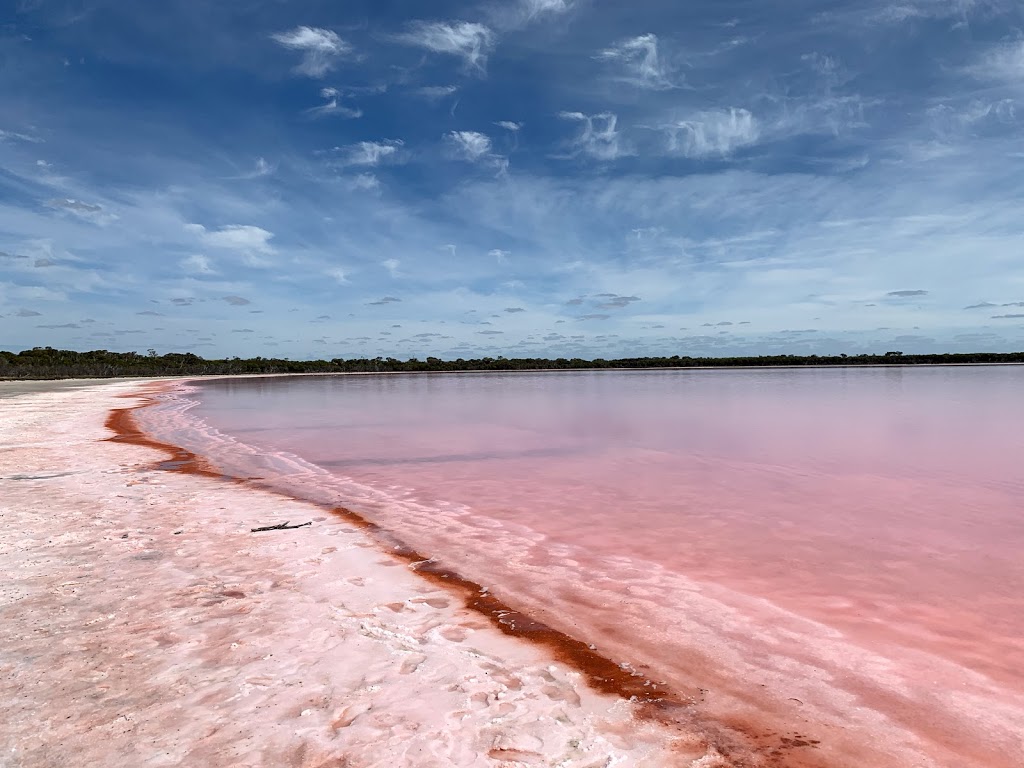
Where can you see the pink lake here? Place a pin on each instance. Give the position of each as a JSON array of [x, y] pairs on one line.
[[839, 552]]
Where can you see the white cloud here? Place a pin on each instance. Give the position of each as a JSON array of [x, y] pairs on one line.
[[598, 136], [508, 125], [391, 265], [949, 122], [244, 238], [476, 148], [824, 108], [14, 136], [470, 144], [197, 264], [338, 274], [499, 254], [320, 48], [827, 67], [644, 66], [717, 133], [534, 8], [75, 206], [435, 92], [332, 105], [1003, 62], [372, 152], [510, 15], [365, 182], [90, 212], [896, 13], [470, 41]]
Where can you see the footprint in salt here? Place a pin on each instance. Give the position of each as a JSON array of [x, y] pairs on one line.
[[517, 746], [453, 634], [412, 663], [345, 716], [433, 602]]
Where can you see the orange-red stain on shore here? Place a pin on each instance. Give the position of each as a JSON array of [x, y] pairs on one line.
[[743, 743]]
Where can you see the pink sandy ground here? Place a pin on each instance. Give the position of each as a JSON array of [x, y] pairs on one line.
[[142, 624]]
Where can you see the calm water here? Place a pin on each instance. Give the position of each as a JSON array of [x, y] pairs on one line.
[[842, 549]]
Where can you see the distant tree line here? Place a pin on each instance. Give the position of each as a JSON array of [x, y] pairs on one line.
[[49, 363]]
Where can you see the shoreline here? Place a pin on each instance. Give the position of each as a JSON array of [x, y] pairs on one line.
[[747, 741], [215, 376], [135, 622], [602, 674]]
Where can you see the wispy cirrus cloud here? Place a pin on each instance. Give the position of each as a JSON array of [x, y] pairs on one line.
[[1000, 63], [332, 106], [598, 136], [511, 15], [435, 92], [717, 133], [321, 48], [371, 153], [470, 144], [476, 148], [534, 8], [76, 206], [642, 64], [18, 136], [952, 123], [469, 41]]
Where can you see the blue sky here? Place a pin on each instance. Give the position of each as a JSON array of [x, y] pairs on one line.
[[520, 178]]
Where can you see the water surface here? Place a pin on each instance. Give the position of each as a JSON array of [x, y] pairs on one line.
[[840, 548]]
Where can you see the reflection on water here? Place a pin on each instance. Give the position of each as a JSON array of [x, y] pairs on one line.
[[855, 533]]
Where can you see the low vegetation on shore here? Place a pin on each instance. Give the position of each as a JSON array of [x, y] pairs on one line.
[[49, 363]]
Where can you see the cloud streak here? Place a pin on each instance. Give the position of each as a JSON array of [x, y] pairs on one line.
[[320, 48], [598, 136], [718, 133], [469, 41], [476, 147], [642, 64], [332, 106]]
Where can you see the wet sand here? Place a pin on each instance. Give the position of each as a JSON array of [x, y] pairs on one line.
[[142, 623]]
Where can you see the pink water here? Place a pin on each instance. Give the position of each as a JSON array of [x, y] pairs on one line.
[[837, 552]]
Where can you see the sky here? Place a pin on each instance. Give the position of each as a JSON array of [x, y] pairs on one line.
[[558, 178]]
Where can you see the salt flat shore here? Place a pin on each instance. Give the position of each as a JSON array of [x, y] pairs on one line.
[[143, 624]]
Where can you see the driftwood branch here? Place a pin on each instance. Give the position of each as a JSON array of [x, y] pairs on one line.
[[280, 527]]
